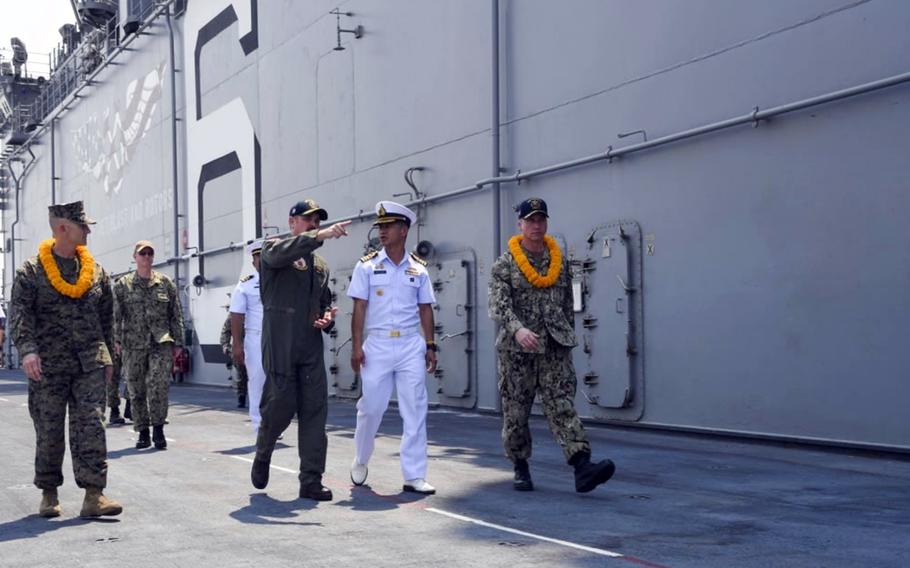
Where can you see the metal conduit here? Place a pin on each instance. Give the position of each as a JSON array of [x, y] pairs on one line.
[[174, 172], [495, 131], [752, 118]]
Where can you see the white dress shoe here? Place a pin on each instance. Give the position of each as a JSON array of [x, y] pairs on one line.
[[419, 486], [358, 473]]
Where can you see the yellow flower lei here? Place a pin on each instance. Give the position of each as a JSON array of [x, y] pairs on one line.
[[529, 271], [86, 272]]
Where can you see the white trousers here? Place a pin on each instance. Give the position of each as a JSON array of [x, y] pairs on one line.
[[252, 352], [398, 362]]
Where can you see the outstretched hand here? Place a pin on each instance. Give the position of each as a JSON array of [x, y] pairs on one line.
[[335, 231]]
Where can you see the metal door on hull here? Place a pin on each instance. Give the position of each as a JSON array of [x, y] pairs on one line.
[[607, 281], [338, 347], [454, 315]]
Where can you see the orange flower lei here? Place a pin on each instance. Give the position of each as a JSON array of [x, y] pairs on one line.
[[86, 272], [529, 271]]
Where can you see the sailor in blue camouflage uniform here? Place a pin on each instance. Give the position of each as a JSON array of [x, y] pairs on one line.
[[60, 322], [148, 328], [393, 299], [530, 297], [238, 372]]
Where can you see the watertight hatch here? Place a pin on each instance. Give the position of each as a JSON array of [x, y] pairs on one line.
[[609, 327]]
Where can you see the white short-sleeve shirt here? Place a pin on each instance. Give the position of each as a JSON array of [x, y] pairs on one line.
[[392, 291], [246, 300]]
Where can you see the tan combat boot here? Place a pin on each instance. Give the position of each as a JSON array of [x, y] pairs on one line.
[[50, 506], [96, 504]]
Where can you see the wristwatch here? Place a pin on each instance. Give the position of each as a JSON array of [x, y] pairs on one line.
[[431, 346]]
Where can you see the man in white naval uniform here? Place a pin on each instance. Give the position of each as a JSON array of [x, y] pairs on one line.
[[246, 333], [393, 299]]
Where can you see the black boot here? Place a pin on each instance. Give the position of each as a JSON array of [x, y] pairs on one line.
[[126, 411], [589, 475], [522, 480], [315, 491], [144, 440], [115, 416], [158, 437], [259, 475], [241, 401]]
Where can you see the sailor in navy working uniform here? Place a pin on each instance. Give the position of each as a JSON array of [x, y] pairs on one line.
[[393, 299]]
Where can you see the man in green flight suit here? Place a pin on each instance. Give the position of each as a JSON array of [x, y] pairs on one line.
[[297, 309], [60, 321]]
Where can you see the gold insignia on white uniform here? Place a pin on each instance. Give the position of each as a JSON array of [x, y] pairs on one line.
[[379, 292]]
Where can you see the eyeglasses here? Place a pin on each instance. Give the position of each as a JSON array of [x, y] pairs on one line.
[[146, 253]]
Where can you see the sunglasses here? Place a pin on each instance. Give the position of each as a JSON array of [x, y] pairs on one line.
[[146, 253]]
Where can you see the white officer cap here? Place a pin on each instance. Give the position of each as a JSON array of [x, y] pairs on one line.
[[254, 247], [391, 212]]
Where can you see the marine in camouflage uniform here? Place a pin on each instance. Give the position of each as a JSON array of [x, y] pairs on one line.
[[113, 390], [64, 344], [148, 327], [239, 378], [534, 346]]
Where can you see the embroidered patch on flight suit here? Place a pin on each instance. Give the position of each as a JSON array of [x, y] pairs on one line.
[[300, 264]]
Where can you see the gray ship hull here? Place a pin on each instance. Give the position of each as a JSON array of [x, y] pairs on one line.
[[747, 278]]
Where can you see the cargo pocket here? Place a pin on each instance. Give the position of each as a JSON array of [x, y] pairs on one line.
[[94, 358]]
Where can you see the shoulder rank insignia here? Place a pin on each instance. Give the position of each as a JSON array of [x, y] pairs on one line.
[[418, 259], [369, 255], [245, 278]]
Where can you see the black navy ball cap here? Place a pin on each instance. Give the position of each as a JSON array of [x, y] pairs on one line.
[[532, 206], [307, 207]]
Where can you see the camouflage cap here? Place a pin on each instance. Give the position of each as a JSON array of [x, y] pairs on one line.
[[71, 212], [307, 207], [143, 245]]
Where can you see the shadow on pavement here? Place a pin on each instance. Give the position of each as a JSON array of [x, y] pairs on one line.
[[34, 526], [265, 510]]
